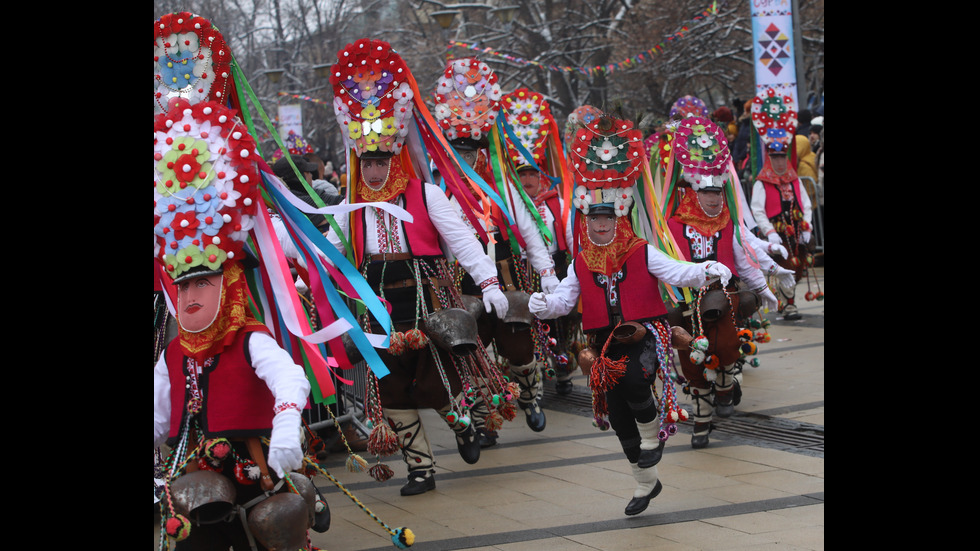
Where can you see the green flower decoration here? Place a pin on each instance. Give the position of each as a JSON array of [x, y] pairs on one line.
[[213, 257], [185, 259], [183, 165]]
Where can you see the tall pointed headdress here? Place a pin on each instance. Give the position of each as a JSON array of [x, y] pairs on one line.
[[467, 102], [606, 158], [529, 116], [774, 117], [372, 97], [190, 60]]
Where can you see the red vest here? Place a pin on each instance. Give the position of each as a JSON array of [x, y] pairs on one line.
[[236, 402], [724, 248], [774, 198], [639, 294], [421, 234], [555, 207]]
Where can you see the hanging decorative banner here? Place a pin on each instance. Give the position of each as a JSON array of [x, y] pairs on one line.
[[773, 51], [290, 120], [641, 57]]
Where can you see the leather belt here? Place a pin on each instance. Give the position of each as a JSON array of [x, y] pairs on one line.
[[389, 257], [412, 283]]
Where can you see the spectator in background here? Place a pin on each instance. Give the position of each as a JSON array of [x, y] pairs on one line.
[[816, 129], [726, 121], [804, 117], [326, 189], [288, 176], [740, 145]]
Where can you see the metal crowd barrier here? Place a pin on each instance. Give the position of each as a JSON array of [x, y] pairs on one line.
[[350, 400], [811, 185]]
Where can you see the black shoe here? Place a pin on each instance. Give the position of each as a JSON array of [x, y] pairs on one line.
[[534, 416], [649, 458], [699, 441], [724, 406], [792, 313], [564, 388], [487, 438], [639, 504], [468, 445], [418, 483]]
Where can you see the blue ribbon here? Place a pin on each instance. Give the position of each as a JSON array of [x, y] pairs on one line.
[[340, 308]]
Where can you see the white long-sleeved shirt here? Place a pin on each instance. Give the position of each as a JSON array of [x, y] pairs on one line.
[[549, 219], [536, 249], [272, 364], [758, 206], [667, 270], [455, 236]]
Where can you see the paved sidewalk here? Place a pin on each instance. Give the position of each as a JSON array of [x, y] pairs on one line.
[[759, 484]]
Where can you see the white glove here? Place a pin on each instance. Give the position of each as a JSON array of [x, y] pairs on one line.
[[768, 299], [786, 278], [285, 450], [538, 303], [778, 249], [774, 238], [549, 283], [805, 237], [717, 269], [493, 296]]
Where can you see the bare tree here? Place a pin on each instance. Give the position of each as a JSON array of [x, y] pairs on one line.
[[575, 52]]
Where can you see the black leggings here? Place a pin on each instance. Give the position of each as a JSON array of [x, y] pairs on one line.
[[631, 400]]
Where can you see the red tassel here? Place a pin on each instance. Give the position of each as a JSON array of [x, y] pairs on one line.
[[382, 440], [494, 421], [381, 472], [416, 339], [397, 346], [509, 411], [606, 373]]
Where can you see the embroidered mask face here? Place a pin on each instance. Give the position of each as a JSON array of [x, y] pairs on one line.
[[602, 228], [375, 171], [711, 200], [531, 182], [198, 302]]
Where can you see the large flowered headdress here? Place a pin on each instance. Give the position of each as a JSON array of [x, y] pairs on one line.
[[204, 194], [583, 115], [372, 97], [529, 116], [701, 150], [688, 106], [606, 158], [190, 60], [774, 117], [295, 145], [467, 100]]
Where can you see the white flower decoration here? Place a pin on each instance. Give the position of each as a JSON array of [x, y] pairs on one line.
[[607, 150], [403, 94], [442, 111], [705, 141], [623, 200], [339, 107], [494, 93], [582, 200]]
